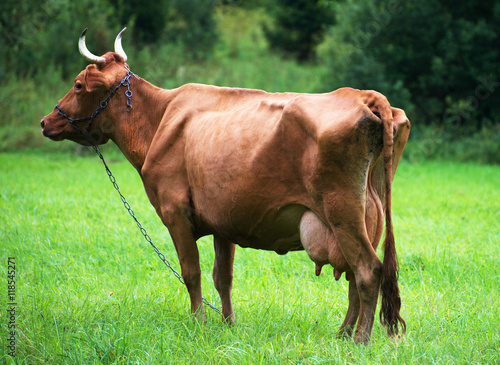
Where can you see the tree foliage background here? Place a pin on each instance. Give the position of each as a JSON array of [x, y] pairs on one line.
[[41, 35], [438, 59]]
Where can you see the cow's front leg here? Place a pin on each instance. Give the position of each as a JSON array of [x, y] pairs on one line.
[[180, 230], [223, 275]]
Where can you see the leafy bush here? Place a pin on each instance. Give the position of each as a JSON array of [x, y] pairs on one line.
[[437, 143]]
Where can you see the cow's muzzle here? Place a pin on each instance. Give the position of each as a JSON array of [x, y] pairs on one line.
[[53, 135]]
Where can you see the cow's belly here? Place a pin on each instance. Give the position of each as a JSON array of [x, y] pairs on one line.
[[276, 230], [294, 228]]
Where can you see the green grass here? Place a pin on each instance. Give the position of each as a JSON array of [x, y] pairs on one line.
[[90, 290]]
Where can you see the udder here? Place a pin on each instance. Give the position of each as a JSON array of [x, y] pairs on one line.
[[321, 245]]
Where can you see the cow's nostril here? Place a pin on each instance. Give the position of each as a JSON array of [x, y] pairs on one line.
[[42, 123]]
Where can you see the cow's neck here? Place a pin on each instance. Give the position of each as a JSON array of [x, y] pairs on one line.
[[138, 127]]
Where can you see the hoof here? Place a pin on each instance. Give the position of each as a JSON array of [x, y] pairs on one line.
[[345, 333], [229, 320], [361, 338]]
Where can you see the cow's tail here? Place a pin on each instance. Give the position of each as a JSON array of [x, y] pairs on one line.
[[391, 300]]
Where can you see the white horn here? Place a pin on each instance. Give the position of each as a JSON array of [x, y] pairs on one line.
[[118, 45], [85, 52]]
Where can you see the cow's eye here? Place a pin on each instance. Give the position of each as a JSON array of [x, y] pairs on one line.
[[78, 86]]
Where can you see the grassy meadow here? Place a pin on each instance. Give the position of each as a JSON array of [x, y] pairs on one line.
[[90, 290]]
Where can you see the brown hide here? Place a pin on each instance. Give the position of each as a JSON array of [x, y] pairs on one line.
[[279, 172], [249, 161]]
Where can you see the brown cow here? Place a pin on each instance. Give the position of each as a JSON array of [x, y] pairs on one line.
[[272, 171]]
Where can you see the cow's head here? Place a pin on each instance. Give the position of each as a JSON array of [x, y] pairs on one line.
[[91, 87]]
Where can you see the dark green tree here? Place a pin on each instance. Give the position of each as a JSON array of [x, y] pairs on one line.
[[148, 18], [298, 27]]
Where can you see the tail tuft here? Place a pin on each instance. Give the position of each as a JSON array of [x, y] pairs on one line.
[[391, 299]]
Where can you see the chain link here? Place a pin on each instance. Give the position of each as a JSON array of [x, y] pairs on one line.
[[112, 178]]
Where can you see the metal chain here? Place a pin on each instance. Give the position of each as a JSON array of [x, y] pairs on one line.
[[112, 178], [147, 237]]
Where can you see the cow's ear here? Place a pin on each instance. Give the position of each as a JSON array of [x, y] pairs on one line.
[[96, 80]]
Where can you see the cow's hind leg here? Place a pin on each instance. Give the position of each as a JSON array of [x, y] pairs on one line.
[[223, 275], [322, 247], [346, 216], [367, 270], [347, 328], [346, 247]]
